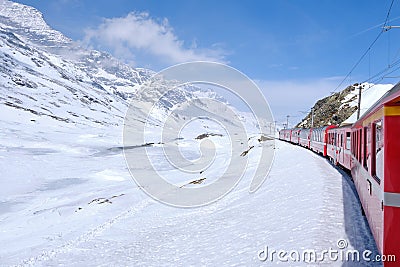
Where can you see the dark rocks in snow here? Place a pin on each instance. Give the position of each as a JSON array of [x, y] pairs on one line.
[[205, 135], [244, 153], [333, 109], [19, 80]]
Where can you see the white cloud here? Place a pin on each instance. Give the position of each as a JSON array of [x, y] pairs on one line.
[[139, 33]]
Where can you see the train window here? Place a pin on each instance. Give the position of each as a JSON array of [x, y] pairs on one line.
[[341, 140], [359, 144], [355, 144], [336, 140], [352, 143], [366, 144], [348, 140], [379, 147]]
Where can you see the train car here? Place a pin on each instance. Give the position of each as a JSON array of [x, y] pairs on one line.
[[282, 135], [375, 168], [318, 140], [304, 137], [338, 146], [294, 138], [285, 134]]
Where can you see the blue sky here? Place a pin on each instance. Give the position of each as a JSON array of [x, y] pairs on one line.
[[297, 51]]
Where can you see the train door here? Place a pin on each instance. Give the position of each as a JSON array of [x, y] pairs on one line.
[[341, 147], [346, 154], [334, 144]]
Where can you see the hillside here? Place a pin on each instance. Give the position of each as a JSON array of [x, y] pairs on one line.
[[341, 107]]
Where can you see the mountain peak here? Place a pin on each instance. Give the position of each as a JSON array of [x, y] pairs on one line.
[[28, 22]]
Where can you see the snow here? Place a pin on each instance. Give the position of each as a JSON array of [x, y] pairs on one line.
[[77, 205], [369, 95]]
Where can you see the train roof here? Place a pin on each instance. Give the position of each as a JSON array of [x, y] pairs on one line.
[[387, 97]]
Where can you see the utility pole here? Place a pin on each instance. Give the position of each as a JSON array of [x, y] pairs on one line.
[[312, 117], [359, 101], [287, 121]]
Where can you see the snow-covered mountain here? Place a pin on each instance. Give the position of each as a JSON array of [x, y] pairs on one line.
[[341, 107], [28, 24], [48, 75], [45, 73]]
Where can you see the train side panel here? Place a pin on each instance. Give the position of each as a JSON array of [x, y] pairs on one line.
[[376, 173], [304, 139], [332, 144], [391, 197], [338, 146], [345, 154], [294, 138], [319, 139], [285, 134]]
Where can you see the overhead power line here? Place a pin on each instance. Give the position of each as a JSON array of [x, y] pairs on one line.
[[368, 49]]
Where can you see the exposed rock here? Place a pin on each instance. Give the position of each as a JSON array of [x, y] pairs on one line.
[[333, 109]]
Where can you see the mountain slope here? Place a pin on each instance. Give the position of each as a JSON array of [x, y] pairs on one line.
[[341, 107]]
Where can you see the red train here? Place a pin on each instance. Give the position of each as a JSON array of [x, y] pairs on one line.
[[370, 149]]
